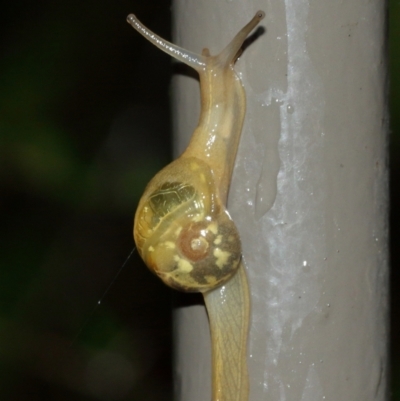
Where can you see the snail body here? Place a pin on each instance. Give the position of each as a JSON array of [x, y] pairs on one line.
[[182, 229]]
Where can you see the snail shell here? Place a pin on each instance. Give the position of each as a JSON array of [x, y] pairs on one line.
[[183, 232]]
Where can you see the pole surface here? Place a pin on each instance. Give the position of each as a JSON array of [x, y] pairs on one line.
[[309, 196]]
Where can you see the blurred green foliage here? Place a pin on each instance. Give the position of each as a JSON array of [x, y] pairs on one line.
[[78, 142]]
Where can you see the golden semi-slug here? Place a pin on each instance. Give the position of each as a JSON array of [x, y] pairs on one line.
[[182, 229]]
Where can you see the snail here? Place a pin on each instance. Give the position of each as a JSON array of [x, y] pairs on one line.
[[182, 229]]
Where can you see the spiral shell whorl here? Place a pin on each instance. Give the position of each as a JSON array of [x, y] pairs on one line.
[[182, 232]]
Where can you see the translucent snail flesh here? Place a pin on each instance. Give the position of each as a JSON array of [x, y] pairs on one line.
[[182, 229]]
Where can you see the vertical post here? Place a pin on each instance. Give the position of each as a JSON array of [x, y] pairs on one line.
[[309, 196]]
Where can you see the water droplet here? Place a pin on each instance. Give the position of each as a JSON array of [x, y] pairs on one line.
[[306, 266], [290, 109]]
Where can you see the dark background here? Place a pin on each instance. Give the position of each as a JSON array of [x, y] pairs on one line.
[[84, 125]]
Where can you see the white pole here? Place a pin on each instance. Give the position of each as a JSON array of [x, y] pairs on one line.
[[309, 196]]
